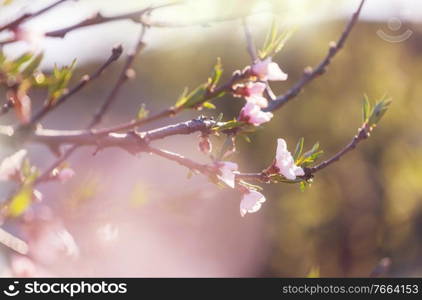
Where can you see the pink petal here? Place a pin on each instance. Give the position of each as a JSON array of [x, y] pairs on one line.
[[251, 202]]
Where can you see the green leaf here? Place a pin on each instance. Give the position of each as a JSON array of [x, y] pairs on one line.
[[310, 156], [142, 112], [251, 186], [216, 75], [219, 118], [14, 66], [246, 138], [228, 146], [193, 98], [182, 98], [379, 111], [366, 109], [208, 105], [274, 41], [299, 148], [201, 94], [229, 125], [20, 201], [59, 81], [32, 66]]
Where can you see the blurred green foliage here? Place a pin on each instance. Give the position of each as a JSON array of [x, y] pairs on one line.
[[366, 206]]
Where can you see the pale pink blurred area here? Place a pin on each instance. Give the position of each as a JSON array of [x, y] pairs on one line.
[[149, 219]]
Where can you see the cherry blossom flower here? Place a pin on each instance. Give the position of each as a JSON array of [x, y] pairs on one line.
[[31, 37], [227, 170], [285, 162], [251, 113], [11, 165], [251, 202], [65, 174], [255, 88], [268, 70], [261, 101], [253, 92]]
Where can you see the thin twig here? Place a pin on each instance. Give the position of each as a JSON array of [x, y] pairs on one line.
[[262, 177], [250, 45], [131, 142], [249, 41], [27, 16], [115, 54], [99, 19], [54, 138], [97, 118], [168, 112], [362, 134], [181, 160], [310, 74]]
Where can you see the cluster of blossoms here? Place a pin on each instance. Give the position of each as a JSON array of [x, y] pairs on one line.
[[252, 200], [252, 113], [253, 91]]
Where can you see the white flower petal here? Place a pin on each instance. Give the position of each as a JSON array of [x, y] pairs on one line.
[[285, 162], [227, 170], [268, 70], [252, 114], [251, 202], [274, 73], [258, 100]]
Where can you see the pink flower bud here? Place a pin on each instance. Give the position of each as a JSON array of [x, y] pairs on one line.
[[251, 113], [285, 162], [251, 202], [205, 145], [268, 70], [226, 170], [65, 174]]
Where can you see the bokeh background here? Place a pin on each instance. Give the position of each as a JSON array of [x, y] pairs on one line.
[[142, 216]]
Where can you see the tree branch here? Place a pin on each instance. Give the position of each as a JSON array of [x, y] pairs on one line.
[[132, 142], [97, 118], [82, 138], [310, 74], [115, 54], [120, 81], [363, 134], [27, 16], [168, 112], [181, 160], [99, 19]]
